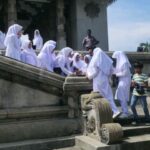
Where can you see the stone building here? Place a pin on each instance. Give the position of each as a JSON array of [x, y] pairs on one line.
[[65, 21]]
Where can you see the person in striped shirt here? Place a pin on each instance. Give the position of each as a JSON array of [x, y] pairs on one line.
[[140, 84]]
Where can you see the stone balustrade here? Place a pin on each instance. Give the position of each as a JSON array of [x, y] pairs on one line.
[[45, 100]]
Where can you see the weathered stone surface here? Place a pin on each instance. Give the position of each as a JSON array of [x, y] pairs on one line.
[[77, 84], [15, 95], [20, 130], [24, 90], [73, 88], [32, 112], [40, 144], [111, 133], [96, 112], [131, 143], [27, 86], [18, 69]]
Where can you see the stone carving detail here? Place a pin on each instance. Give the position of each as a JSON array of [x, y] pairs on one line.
[[111, 132], [97, 116], [92, 10]]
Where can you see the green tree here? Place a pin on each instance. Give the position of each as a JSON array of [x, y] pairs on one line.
[[145, 46]]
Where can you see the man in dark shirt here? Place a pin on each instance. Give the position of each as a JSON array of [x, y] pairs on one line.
[[89, 41]]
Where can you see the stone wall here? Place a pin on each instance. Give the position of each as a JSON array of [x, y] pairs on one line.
[[92, 15]]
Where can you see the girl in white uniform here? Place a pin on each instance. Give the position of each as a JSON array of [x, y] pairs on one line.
[[2, 38], [122, 71], [12, 42], [54, 54], [28, 55], [87, 59], [78, 64], [100, 69], [63, 62], [38, 40], [45, 57]]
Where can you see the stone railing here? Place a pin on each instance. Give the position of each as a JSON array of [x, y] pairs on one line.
[[69, 89], [24, 86], [27, 86], [73, 88]]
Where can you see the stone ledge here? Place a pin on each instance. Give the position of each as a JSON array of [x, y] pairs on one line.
[[34, 77], [33, 112], [141, 142], [136, 130], [38, 144], [38, 129], [77, 84]]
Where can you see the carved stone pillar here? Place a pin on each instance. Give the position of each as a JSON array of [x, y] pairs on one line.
[[61, 36], [11, 12]]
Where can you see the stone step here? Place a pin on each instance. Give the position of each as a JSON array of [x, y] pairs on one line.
[[40, 144], [33, 112], [20, 130], [136, 130], [129, 131], [138, 142], [70, 148], [141, 142], [127, 121]]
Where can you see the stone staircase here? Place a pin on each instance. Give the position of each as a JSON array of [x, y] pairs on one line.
[[135, 138], [39, 144], [32, 108], [34, 112]]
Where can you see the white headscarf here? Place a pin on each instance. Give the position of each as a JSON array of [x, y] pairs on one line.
[[28, 51], [78, 64], [38, 40], [13, 30], [65, 52], [51, 42], [101, 61], [25, 47], [88, 57], [46, 57], [63, 61], [121, 59]]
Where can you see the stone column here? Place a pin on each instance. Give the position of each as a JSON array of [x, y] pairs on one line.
[[61, 36], [11, 12]]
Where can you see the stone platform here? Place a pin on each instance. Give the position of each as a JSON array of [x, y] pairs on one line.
[[135, 138]]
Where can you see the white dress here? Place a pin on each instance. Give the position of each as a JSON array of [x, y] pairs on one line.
[[99, 70], [46, 58], [38, 40], [122, 71], [80, 64], [13, 43], [63, 61], [28, 55], [13, 48], [2, 38]]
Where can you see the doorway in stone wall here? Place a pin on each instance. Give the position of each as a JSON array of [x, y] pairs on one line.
[[38, 15]]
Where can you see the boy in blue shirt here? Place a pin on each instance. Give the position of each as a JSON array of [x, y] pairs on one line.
[[140, 84]]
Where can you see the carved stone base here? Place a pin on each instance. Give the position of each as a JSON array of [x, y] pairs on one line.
[[98, 122], [111, 133]]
